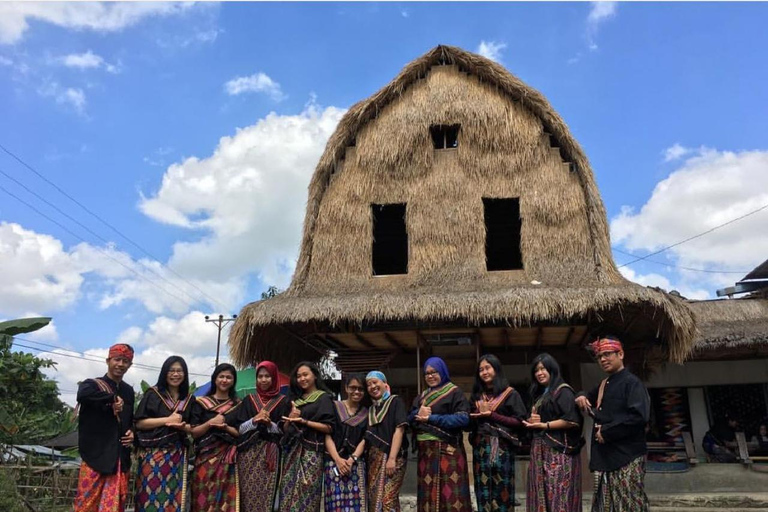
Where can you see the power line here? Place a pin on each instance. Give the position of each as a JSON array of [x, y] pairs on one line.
[[641, 258], [110, 226], [89, 230], [188, 304], [742, 272]]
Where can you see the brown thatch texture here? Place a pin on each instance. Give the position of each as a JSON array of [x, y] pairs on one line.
[[382, 152], [730, 323]]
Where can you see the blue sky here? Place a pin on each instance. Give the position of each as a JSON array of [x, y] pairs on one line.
[[194, 128]]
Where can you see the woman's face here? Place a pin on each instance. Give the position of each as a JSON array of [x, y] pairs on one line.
[[763, 430], [224, 381], [542, 375], [263, 379], [355, 391], [431, 377], [305, 378], [486, 372], [375, 388], [175, 375]]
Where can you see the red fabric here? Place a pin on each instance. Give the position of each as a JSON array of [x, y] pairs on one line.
[[100, 493], [606, 345], [274, 389], [121, 350]]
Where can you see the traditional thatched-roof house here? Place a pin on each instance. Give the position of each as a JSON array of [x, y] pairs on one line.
[[454, 213]]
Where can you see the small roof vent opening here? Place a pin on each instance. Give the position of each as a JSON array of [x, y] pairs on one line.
[[390, 240], [445, 136], [502, 234]]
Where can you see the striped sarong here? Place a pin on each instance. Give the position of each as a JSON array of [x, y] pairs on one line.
[[622, 490], [554, 480], [383, 491]]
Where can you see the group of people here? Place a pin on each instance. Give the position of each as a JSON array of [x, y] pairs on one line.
[[307, 452]]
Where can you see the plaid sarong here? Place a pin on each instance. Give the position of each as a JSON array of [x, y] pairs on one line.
[[161, 481], [214, 482], [622, 490], [384, 492], [100, 493], [443, 481]]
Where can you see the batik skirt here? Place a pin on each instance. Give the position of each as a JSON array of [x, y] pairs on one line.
[[258, 470], [442, 476], [100, 493], [622, 490], [345, 493], [494, 471], [161, 482], [301, 485], [554, 480], [214, 482], [384, 491]]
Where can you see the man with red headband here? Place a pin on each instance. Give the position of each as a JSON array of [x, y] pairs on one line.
[[105, 435], [620, 407]]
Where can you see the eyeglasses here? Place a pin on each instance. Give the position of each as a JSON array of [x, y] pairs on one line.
[[430, 373], [355, 389], [178, 372], [606, 355]]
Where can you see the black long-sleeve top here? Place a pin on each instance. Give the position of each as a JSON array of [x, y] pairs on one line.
[[206, 408], [278, 407], [99, 431], [450, 414], [159, 404], [320, 411], [348, 430], [560, 405], [383, 420], [622, 415], [504, 422]]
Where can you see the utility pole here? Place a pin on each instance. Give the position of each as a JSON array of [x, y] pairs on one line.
[[219, 322]]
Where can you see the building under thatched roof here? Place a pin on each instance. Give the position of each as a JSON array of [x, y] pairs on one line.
[[454, 207], [731, 328]]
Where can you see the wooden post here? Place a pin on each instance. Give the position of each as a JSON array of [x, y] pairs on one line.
[[418, 365]]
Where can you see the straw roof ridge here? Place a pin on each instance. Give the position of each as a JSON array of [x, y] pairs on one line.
[[485, 70], [730, 323]]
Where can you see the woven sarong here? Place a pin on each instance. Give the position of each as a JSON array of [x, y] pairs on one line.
[[214, 482], [622, 490], [100, 493], [258, 484], [301, 485], [554, 480], [494, 477], [345, 493], [443, 483], [161, 479], [384, 492]]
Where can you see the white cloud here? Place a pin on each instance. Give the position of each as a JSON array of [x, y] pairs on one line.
[[599, 13], [88, 60], [676, 152], [73, 97], [248, 196], [657, 280], [491, 50], [708, 189], [258, 82], [99, 17], [404, 13]]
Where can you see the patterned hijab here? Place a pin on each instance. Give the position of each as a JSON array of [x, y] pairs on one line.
[[274, 389], [383, 378], [440, 367]]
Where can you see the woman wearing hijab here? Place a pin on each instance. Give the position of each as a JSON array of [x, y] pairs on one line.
[[162, 423], [386, 444], [258, 457], [554, 474], [311, 418], [497, 417], [214, 482], [344, 464], [437, 417]]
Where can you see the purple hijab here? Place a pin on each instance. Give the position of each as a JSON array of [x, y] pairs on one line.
[[439, 366]]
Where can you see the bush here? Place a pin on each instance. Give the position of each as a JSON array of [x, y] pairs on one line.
[[10, 501]]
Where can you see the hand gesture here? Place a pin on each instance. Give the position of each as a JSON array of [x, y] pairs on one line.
[[295, 412], [583, 403], [390, 467], [535, 417], [344, 466], [117, 405], [535, 425], [127, 439], [294, 419], [262, 417], [599, 434], [424, 413], [174, 419], [217, 421]]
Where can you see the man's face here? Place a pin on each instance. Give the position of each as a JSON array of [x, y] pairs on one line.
[[117, 366], [611, 362]]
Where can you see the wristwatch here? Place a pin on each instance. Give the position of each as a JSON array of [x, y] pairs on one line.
[[354, 457]]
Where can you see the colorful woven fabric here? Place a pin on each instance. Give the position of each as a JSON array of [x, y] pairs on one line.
[[301, 485], [494, 475], [161, 479], [622, 490], [258, 484], [345, 493], [100, 493], [554, 480], [443, 482], [214, 482], [384, 492]]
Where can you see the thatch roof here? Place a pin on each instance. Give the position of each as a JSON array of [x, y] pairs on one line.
[[730, 324], [512, 144]]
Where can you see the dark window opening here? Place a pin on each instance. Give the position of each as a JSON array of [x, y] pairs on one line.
[[502, 234], [445, 136], [390, 239]]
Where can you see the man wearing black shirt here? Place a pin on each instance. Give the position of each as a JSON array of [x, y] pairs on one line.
[[620, 407], [105, 436]]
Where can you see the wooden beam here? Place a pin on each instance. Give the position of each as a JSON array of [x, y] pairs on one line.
[[505, 335], [568, 336], [338, 343], [359, 337], [539, 337], [584, 336], [393, 341]]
